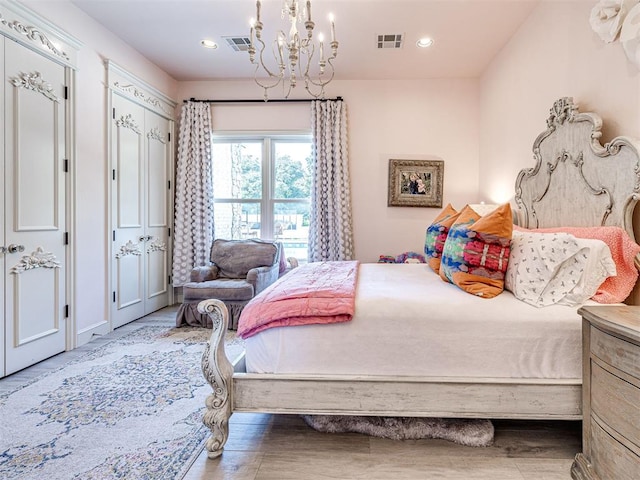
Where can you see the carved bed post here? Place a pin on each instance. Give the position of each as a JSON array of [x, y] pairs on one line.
[[219, 372]]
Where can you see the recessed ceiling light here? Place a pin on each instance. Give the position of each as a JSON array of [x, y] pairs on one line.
[[209, 44], [424, 42]]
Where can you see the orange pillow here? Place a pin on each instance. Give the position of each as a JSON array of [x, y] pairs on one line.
[[437, 235], [476, 253]]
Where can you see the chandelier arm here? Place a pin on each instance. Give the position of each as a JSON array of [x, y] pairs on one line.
[[318, 95], [263, 65], [286, 91], [321, 80], [307, 53], [286, 86], [265, 85], [309, 50]]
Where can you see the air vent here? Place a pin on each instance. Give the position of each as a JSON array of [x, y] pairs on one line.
[[239, 44], [390, 40]]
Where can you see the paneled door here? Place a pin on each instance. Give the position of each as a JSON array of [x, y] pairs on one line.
[[3, 248], [157, 218], [34, 213], [140, 155]]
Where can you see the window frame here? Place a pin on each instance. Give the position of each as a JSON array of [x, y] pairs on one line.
[[268, 139]]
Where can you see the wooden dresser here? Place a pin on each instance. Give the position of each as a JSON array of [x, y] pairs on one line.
[[610, 394]]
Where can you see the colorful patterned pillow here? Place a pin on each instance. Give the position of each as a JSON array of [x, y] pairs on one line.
[[410, 257], [476, 253], [437, 235]]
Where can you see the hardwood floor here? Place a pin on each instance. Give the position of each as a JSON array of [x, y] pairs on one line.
[[282, 447]]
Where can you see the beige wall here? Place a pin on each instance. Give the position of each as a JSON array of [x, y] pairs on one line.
[[91, 223], [554, 54], [387, 119]]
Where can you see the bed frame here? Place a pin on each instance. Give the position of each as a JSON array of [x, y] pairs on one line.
[[576, 181]]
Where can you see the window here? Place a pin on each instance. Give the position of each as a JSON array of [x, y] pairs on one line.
[[262, 189]]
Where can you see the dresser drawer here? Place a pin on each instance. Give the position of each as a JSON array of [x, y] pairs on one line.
[[616, 402], [623, 355], [611, 394], [610, 459]]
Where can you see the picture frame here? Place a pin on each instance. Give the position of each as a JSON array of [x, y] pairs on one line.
[[415, 183]]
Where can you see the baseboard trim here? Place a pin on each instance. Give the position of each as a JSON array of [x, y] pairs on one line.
[[86, 334]]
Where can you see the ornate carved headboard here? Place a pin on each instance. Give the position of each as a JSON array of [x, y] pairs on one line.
[[576, 180]]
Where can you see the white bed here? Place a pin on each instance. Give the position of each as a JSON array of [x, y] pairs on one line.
[[478, 363], [440, 330]]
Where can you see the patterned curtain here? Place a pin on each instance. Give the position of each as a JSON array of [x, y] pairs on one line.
[[330, 229], [193, 234]]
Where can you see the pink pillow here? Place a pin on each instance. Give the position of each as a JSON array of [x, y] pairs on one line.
[[623, 250]]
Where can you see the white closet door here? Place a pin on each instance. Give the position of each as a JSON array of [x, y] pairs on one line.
[[35, 266], [141, 153], [2, 245], [128, 208], [158, 156]]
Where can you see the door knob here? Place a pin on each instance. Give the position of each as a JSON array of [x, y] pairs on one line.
[[3, 249], [13, 248], [142, 238]]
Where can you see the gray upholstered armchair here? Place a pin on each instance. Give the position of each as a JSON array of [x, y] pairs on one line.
[[239, 270]]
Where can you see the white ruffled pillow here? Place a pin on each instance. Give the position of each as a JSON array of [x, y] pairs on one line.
[[556, 268], [600, 266]]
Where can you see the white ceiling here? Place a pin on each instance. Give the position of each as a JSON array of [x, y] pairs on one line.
[[467, 34]]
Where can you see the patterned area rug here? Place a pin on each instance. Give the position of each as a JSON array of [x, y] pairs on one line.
[[469, 432], [131, 408]]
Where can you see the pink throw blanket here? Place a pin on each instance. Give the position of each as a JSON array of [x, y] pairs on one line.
[[321, 292]]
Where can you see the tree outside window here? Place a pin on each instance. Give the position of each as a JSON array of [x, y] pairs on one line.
[[262, 189]]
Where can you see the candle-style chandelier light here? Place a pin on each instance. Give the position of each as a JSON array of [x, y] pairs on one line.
[[296, 56]]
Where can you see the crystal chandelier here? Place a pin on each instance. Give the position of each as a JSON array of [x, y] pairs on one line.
[[296, 56]]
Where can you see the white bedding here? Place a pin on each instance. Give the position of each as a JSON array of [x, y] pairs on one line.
[[409, 322]]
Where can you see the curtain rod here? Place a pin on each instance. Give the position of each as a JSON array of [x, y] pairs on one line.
[[277, 100]]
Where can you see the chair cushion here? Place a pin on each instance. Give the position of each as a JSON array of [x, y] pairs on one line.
[[236, 257], [221, 288]]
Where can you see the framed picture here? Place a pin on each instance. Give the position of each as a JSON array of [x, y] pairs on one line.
[[415, 183]]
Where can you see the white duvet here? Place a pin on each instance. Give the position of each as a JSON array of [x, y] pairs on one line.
[[409, 322]]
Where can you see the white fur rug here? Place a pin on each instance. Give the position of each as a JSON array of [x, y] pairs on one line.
[[469, 432]]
